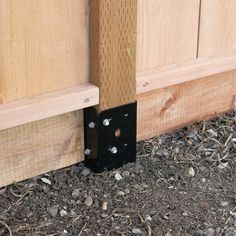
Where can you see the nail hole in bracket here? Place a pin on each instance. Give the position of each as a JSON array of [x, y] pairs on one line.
[[118, 133]]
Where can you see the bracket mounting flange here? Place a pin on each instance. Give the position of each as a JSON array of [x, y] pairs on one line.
[[110, 137]]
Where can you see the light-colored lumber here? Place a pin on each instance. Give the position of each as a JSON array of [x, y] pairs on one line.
[[167, 32], [217, 27], [113, 32], [36, 148], [167, 109], [47, 105], [183, 72], [44, 46]]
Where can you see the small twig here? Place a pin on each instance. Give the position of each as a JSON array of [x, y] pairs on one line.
[[149, 230], [228, 139], [141, 218], [81, 231], [22, 197], [6, 226]]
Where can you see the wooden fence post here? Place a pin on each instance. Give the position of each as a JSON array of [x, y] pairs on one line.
[[113, 33], [110, 128]]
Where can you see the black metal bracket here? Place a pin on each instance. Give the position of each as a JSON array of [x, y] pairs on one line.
[[110, 137]]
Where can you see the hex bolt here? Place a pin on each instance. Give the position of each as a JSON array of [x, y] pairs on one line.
[[106, 122], [113, 150], [91, 125], [87, 151]]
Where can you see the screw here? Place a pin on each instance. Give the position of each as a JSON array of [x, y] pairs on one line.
[[113, 150], [106, 122], [91, 125], [87, 151]]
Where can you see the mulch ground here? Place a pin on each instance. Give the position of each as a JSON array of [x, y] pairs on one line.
[[183, 183]]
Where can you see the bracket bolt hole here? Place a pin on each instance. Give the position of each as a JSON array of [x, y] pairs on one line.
[[87, 151], [91, 125], [106, 122], [118, 133], [113, 150]]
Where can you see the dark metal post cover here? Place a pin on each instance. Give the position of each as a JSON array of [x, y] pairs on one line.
[[110, 137]]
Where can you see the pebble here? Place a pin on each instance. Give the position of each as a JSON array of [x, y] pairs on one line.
[[176, 150], [232, 213], [231, 231], [148, 218], [86, 172], [191, 157], [76, 193], [46, 189], [104, 206], [118, 176], [104, 215], [3, 190], [212, 132], [29, 214], [136, 231], [145, 185], [78, 202], [138, 168], [120, 193], [46, 181], [76, 168], [136, 187], [223, 165], [168, 234], [210, 232], [63, 213], [127, 191], [126, 173], [88, 201], [52, 211], [190, 172], [73, 213], [224, 204]]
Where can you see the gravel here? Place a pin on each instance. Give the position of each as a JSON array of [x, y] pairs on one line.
[[183, 184]]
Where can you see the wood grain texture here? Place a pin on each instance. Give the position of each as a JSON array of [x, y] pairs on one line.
[[173, 107], [183, 72], [113, 50], [44, 46], [47, 105], [41, 146], [217, 27], [167, 32]]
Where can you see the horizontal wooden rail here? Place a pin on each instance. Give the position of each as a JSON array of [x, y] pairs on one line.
[[47, 105], [179, 73]]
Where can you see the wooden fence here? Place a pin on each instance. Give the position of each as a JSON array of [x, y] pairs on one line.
[[177, 58]]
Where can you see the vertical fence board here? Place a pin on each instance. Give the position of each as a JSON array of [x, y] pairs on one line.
[[167, 32], [43, 46], [41, 146], [217, 27]]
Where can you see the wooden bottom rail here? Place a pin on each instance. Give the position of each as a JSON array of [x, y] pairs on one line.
[[164, 110], [47, 105], [163, 77]]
